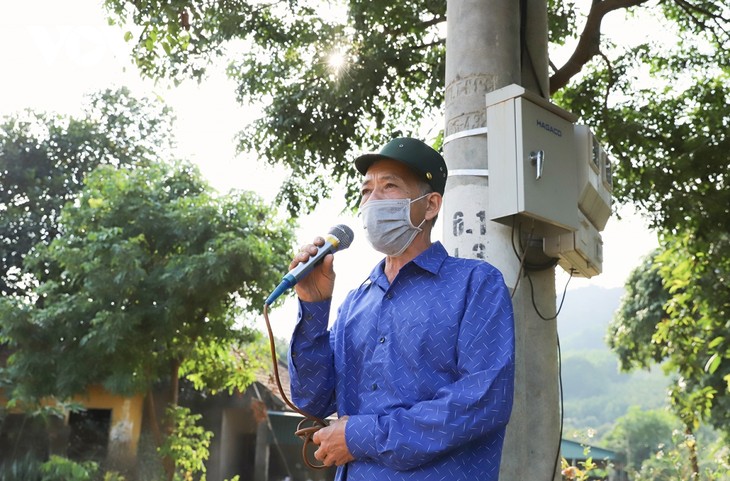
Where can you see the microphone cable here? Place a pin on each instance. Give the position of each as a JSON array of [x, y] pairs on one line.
[[339, 237], [310, 424]]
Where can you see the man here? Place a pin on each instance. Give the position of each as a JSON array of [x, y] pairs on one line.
[[419, 364]]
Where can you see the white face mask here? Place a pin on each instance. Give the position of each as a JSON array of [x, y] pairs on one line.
[[388, 226]]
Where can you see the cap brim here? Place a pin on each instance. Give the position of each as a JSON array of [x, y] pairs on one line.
[[363, 163]]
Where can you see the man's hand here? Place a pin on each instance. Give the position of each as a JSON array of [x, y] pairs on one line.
[[320, 283], [332, 446]]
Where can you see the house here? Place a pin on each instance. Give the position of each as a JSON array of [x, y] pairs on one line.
[[253, 434], [108, 430], [607, 461]]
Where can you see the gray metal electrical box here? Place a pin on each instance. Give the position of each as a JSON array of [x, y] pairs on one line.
[[548, 177], [532, 162], [594, 182], [580, 252]]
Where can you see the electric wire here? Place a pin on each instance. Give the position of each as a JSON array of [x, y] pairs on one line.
[[562, 299], [529, 266], [534, 305], [562, 404], [519, 272], [525, 49]]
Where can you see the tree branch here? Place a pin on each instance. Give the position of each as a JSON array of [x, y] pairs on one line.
[[590, 41], [423, 26], [434, 21], [693, 10], [611, 80], [428, 45]]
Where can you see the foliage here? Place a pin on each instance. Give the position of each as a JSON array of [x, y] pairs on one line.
[[695, 333], [27, 468], [188, 444], [672, 462], [583, 472], [677, 314], [149, 267], [58, 468], [663, 466], [668, 141], [317, 111], [640, 434], [44, 158], [630, 332], [222, 366], [660, 106]]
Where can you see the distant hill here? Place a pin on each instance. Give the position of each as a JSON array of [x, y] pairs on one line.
[[595, 392], [585, 315]]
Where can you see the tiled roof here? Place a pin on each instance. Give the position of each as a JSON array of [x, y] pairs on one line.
[[266, 378]]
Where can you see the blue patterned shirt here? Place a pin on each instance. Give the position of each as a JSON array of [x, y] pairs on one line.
[[424, 367]]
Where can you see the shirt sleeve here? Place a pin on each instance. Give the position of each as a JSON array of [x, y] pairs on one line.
[[311, 361], [478, 404]]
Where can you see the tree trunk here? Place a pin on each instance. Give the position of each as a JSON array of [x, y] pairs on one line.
[[161, 431], [692, 446], [174, 396], [154, 420]]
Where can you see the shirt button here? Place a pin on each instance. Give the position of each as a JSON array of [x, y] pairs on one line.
[[389, 295], [374, 386], [381, 340]]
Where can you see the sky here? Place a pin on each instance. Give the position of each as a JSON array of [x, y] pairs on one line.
[[53, 53]]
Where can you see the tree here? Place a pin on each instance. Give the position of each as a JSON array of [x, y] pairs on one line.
[[660, 106], [143, 284], [389, 57], [44, 158], [674, 314], [630, 333], [641, 434]]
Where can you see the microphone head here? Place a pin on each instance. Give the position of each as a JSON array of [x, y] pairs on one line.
[[343, 234]]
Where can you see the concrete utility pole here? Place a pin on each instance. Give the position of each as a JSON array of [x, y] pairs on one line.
[[485, 52]]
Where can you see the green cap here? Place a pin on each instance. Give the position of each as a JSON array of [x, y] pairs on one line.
[[422, 159]]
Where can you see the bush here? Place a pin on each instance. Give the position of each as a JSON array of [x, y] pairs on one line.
[[24, 469], [62, 469]]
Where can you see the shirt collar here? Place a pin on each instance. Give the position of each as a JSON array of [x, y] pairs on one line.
[[432, 258], [429, 260]]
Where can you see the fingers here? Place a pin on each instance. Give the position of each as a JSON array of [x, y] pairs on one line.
[[321, 454], [333, 450], [306, 251], [325, 458]]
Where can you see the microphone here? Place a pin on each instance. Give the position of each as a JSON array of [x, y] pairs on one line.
[[339, 237]]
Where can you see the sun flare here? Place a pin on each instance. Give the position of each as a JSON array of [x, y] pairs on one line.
[[337, 61]]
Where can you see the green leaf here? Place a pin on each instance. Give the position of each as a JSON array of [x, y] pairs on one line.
[[713, 363], [716, 342]]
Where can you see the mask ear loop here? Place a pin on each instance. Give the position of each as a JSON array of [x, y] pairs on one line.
[[419, 198], [409, 213]]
